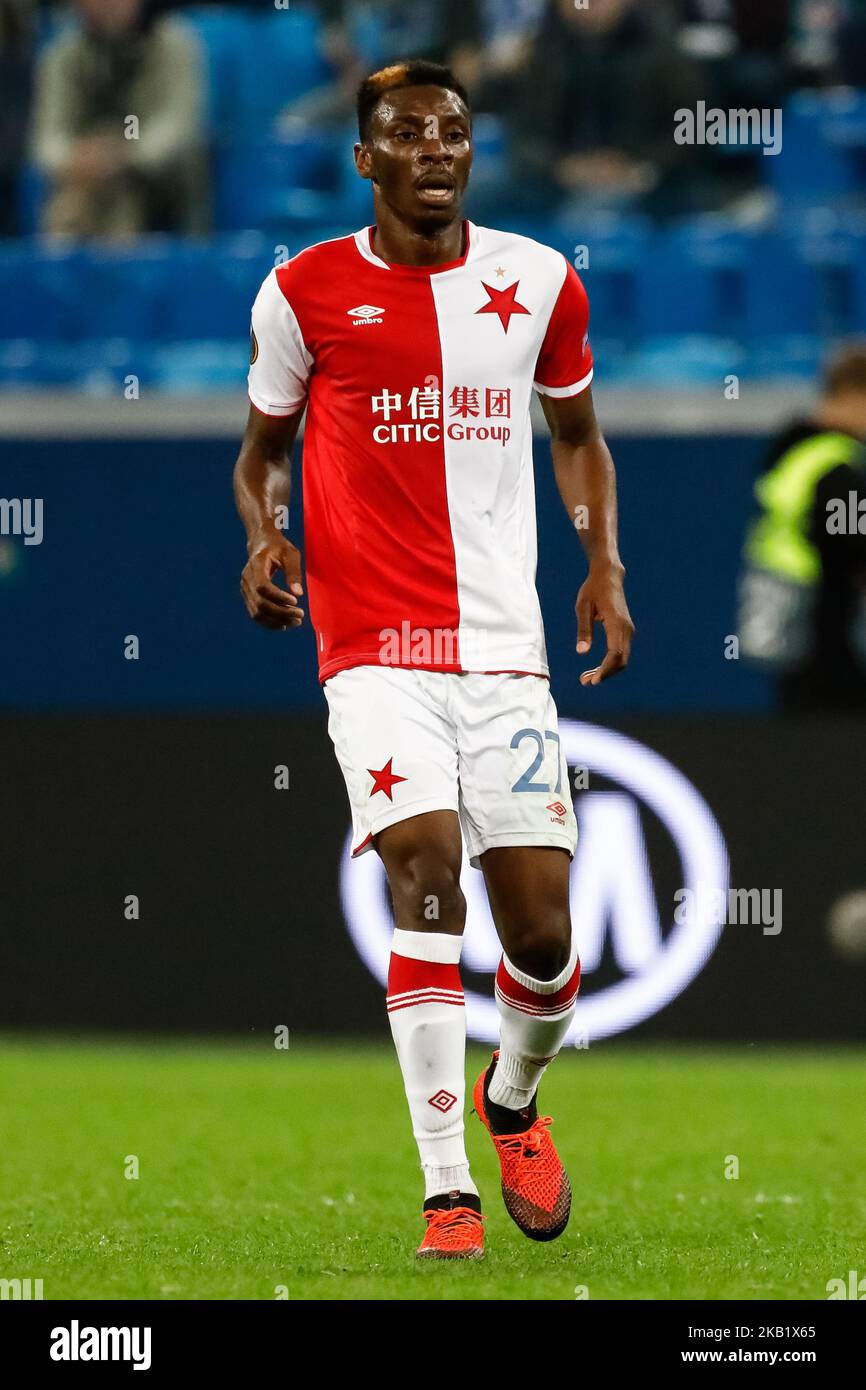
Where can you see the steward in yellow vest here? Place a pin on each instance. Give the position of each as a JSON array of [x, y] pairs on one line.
[[802, 614]]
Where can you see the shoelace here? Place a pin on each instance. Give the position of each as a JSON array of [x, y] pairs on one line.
[[528, 1144], [452, 1219]]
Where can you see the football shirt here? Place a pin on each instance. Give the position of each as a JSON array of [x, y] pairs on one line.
[[419, 498]]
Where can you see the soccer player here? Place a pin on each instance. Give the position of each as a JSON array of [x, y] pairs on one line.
[[414, 345]]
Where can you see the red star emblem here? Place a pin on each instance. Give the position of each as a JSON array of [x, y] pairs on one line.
[[384, 779], [503, 303]]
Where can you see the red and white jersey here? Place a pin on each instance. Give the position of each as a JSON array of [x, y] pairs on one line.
[[419, 498]]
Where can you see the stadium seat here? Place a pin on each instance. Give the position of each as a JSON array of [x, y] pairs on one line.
[[814, 164], [211, 365], [783, 288], [857, 305], [226, 37], [29, 307], [609, 253], [252, 181], [283, 62], [32, 190], [692, 281], [210, 287], [353, 192]]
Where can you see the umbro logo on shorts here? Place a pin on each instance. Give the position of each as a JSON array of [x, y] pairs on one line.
[[366, 313], [559, 812]]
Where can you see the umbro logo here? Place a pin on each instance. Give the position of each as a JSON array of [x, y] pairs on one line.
[[366, 313], [442, 1101]]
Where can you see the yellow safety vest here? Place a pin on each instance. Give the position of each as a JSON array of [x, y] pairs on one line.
[[779, 540]]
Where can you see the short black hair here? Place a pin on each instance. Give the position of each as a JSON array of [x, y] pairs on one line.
[[416, 72]]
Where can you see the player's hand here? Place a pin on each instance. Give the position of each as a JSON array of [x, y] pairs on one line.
[[268, 603], [602, 600]]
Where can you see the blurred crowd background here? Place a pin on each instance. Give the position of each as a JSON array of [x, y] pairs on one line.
[[132, 129]]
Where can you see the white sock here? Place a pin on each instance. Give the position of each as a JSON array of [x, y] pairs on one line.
[[428, 1023], [535, 1017]]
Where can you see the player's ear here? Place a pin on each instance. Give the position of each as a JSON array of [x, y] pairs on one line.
[[363, 161]]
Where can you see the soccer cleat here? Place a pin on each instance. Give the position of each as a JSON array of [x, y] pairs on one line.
[[535, 1186], [454, 1229]]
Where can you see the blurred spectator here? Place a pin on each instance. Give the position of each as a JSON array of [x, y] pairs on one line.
[[363, 35], [497, 43], [107, 177], [16, 63], [594, 119], [814, 35], [803, 594], [851, 43]]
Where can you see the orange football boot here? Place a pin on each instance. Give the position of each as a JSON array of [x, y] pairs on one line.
[[535, 1186], [454, 1232]]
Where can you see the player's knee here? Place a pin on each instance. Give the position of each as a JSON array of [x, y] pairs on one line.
[[426, 890], [541, 950]]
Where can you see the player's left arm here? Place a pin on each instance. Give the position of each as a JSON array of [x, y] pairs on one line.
[[586, 479]]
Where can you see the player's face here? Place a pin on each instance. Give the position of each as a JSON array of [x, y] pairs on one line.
[[419, 153]]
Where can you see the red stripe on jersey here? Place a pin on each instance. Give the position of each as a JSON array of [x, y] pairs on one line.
[[530, 1000], [377, 529], [566, 356]]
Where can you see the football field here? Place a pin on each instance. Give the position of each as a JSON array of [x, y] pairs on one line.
[[264, 1173]]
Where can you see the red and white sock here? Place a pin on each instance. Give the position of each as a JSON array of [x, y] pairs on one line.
[[536, 1015], [427, 1014]]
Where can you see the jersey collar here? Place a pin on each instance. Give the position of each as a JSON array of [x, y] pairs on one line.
[[364, 243]]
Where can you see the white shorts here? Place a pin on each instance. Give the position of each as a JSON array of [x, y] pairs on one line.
[[485, 746]]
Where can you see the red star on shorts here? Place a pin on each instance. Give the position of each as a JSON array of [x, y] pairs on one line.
[[503, 303], [384, 779]]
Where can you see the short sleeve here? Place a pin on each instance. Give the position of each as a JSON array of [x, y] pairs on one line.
[[564, 366], [280, 363]]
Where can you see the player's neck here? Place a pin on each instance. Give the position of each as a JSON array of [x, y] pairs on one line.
[[399, 244]]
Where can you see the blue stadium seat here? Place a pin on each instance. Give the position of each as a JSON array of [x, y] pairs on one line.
[[692, 281], [682, 361], [845, 119], [252, 181], [226, 37], [283, 62], [857, 320], [211, 365], [28, 307], [489, 141], [123, 289], [210, 287], [32, 190], [355, 202], [814, 164], [783, 290], [608, 253]]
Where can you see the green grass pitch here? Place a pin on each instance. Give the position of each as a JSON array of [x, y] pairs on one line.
[[261, 1168]]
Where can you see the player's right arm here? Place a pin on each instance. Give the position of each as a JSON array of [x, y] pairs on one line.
[[262, 482], [280, 367]]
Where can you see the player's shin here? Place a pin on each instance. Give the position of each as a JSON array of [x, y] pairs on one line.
[[535, 1017], [427, 1014]]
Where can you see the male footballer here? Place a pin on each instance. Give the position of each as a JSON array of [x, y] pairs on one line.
[[414, 346]]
